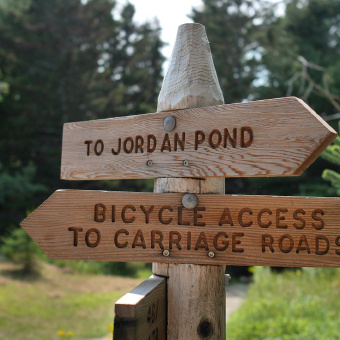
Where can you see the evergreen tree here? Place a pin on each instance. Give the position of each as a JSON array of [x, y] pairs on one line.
[[232, 32], [301, 51], [68, 61]]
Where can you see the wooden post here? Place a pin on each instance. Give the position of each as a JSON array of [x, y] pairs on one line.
[[196, 294]]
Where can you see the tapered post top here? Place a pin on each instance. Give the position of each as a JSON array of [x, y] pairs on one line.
[[191, 80]]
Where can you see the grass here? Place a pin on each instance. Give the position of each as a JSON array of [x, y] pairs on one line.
[[60, 301], [294, 305]]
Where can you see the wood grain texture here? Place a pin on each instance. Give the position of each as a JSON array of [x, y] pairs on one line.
[[287, 137], [201, 293], [191, 79], [240, 230], [196, 304], [196, 295], [141, 313]]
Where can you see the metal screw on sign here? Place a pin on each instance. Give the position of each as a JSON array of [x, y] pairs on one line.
[[149, 162], [211, 254], [227, 279], [186, 162], [189, 201], [169, 123], [166, 252]]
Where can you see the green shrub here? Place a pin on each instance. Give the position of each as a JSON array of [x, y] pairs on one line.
[[20, 248], [294, 305]]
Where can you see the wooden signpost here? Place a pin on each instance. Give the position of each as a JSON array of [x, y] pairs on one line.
[[151, 227], [189, 146]]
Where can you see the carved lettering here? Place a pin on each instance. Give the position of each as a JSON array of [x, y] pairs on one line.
[[139, 144], [214, 144], [88, 143], [202, 242], [315, 217], [147, 213], [279, 218], [235, 241], [158, 240], [325, 241], [249, 130], [75, 230], [224, 241], [227, 137], [160, 214], [128, 145], [199, 138], [337, 243], [124, 218], [90, 243], [151, 143], [284, 247], [226, 218], [303, 245], [166, 145], [99, 147], [139, 240], [180, 142], [188, 240], [174, 238], [197, 216], [118, 233], [119, 147], [267, 241], [240, 216], [299, 218], [180, 217], [99, 212], [259, 218]]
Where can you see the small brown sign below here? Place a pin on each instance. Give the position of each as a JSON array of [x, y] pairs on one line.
[[141, 313], [222, 229]]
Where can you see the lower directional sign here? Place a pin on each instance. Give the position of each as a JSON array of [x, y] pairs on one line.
[[141, 313], [221, 229]]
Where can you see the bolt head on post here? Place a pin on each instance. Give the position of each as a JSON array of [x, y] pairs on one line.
[[169, 123], [189, 201]]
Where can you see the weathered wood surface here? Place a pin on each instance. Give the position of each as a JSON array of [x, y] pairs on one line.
[[240, 230], [141, 313], [191, 79], [196, 303], [274, 137]]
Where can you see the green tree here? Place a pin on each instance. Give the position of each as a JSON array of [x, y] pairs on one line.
[[260, 55], [68, 61], [300, 50], [231, 30]]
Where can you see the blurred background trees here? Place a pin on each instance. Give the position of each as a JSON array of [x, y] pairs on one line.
[[260, 53], [63, 61]]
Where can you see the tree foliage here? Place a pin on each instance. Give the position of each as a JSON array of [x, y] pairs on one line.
[[231, 30], [67, 61], [259, 54], [300, 50]]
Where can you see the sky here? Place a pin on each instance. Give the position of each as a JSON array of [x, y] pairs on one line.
[[170, 14]]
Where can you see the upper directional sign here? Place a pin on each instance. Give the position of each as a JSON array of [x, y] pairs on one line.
[[275, 137], [221, 229]]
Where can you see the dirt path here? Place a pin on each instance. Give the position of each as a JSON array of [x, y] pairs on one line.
[[236, 293]]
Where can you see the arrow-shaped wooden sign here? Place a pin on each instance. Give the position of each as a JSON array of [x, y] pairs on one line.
[[274, 137], [222, 229]]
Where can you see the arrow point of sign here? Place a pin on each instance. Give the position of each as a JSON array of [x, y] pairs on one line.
[[329, 135], [37, 223]]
